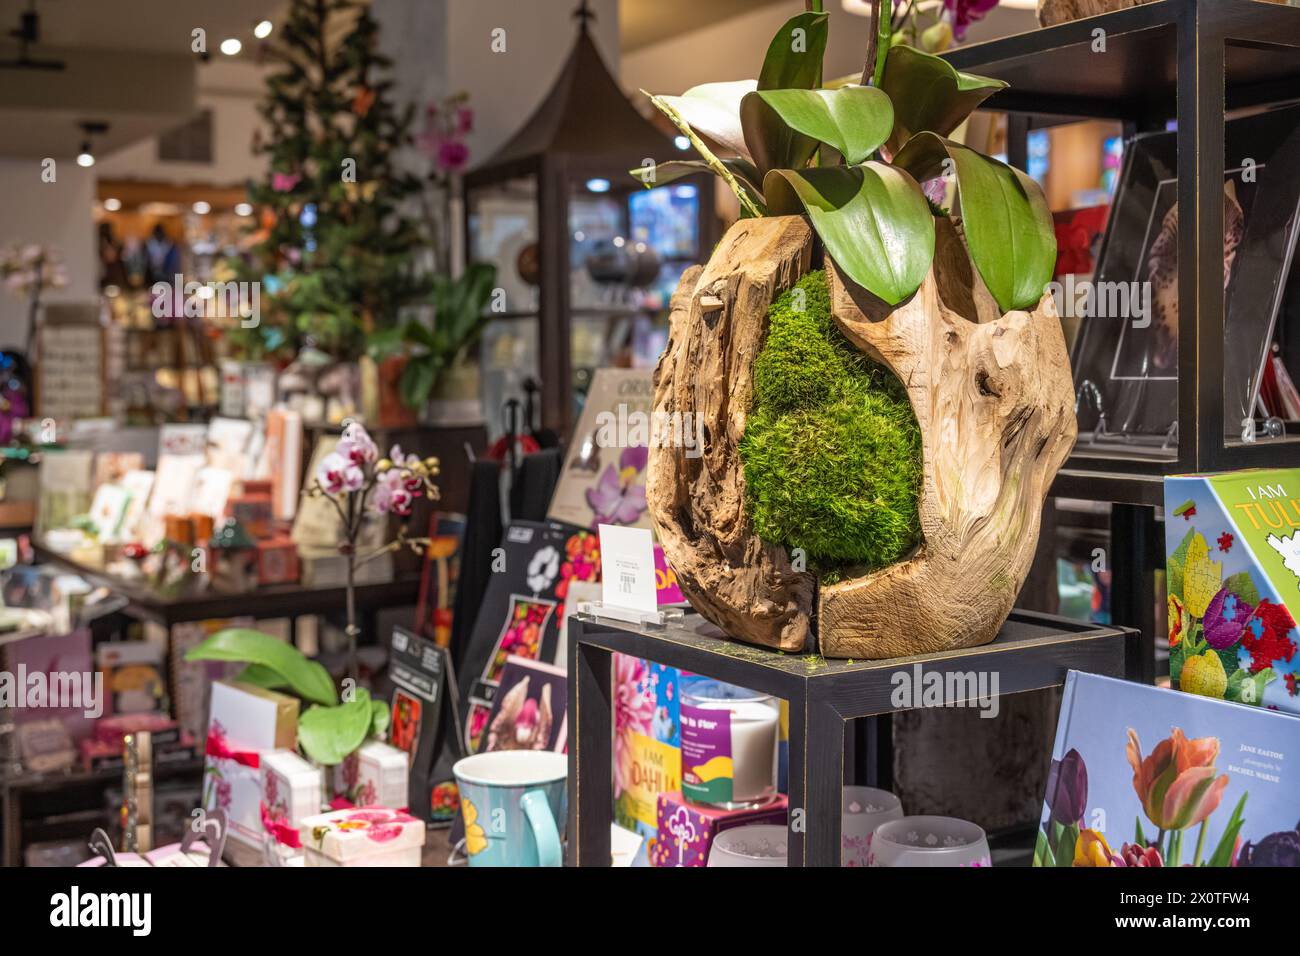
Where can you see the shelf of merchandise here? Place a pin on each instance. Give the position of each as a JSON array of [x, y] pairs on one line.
[[71, 802], [1184, 60], [1190, 61], [1032, 651]]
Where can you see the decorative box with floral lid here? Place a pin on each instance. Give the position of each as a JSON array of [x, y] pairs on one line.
[[365, 836]]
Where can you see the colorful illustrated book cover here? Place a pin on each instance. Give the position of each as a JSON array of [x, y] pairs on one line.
[[647, 743], [522, 609], [603, 478], [1233, 578], [1145, 776]]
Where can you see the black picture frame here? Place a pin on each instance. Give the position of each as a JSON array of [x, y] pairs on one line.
[[1127, 372]]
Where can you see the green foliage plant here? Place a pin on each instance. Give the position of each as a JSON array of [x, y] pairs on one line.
[[885, 136]]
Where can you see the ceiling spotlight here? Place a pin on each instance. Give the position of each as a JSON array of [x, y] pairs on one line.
[[681, 142], [92, 128], [112, 204], [230, 46], [263, 29], [243, 208], [202, 208], [598, 185]]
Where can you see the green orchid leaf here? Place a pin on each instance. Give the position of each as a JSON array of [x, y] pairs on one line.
[[793, 62], [307, 678], [929, 95], [379, 718], [794, 57], [855, 120], [713, 110], [328, 734], [873, 220], [1004, 216], [260, 676]]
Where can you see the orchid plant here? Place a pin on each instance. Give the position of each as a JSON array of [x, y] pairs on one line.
[[360, 485], [854, 160]]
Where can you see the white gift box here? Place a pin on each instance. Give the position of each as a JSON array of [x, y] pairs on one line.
[[377, 774], [291, 792], [365, 836], [246, 723]]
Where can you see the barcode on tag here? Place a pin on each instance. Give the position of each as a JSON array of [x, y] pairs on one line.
[[626, 580]]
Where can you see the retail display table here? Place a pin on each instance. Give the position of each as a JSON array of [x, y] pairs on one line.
[[1031, 652], [269, 601]]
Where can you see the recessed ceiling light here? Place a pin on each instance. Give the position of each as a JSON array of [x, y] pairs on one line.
[[112, 204], [598, 185], [243, 209], [263, 29], [681, 142], [230, 46], [202, 208]]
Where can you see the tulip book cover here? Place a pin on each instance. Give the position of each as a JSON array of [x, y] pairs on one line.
[[1144, 776], [1233, 558]]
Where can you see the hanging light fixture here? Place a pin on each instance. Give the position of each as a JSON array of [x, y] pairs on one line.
[[86, 154]]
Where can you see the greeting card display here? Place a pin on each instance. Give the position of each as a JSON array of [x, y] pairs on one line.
[[246, 722], [1144, 776], [603, 479], [424, 717], [522, 608], [1233, 574], [529, 711]]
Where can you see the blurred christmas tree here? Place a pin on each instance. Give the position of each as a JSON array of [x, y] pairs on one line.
[[334, 251]]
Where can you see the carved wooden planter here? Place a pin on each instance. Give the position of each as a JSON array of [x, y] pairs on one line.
[[994, 400]]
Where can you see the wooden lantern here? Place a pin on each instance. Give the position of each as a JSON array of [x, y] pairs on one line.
[[994, 400]]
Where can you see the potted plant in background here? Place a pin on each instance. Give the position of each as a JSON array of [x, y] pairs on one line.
[[883, 434], [435, 368]]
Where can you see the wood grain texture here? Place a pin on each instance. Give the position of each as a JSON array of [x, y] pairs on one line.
[[994, 400], [718, 324]]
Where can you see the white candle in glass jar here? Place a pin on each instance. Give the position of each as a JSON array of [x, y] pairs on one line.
[[752, 720]]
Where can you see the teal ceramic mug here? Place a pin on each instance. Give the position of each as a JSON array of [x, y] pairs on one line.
[[511, 802]]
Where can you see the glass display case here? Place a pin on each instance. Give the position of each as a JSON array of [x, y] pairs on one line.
[[586, 256]]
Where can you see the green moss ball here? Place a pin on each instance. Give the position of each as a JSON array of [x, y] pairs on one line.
[[831, 451]]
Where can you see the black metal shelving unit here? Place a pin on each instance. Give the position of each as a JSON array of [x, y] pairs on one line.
[[1191, 61], [826, 697]]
